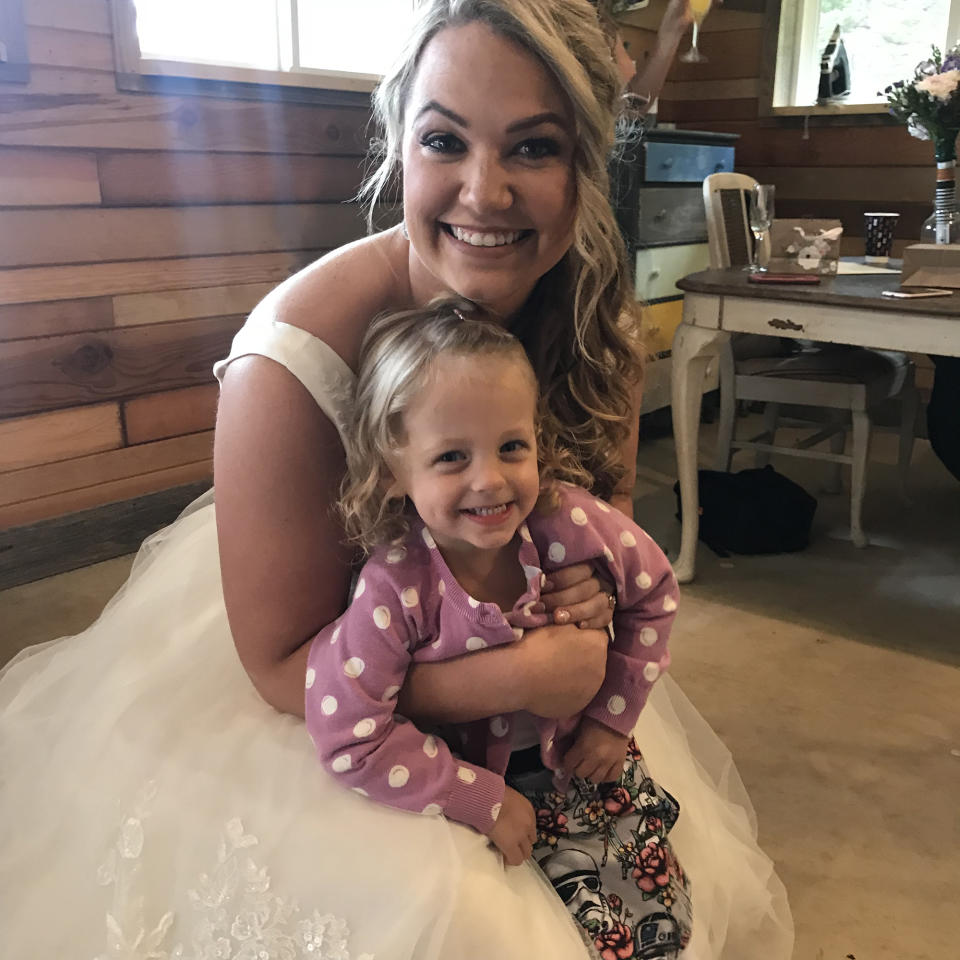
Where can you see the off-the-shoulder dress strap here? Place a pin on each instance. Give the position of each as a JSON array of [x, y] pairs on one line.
[[315, 364]]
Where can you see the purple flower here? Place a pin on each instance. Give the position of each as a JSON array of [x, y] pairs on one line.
[[951, 63]]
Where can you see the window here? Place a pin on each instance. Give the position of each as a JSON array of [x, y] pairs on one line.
[[334, 44], [884, 40], [14, 67]]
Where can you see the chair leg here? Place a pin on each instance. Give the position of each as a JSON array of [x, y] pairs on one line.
[[909, 408], [858, 477], [838, 443], [728, 411], [771, 414]]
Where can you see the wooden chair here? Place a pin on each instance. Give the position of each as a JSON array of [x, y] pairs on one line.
[[835, 387]]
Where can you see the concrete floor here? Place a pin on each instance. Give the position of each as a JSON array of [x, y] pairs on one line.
[[831, 674]]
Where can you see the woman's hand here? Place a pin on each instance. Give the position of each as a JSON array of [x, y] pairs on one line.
[[576, 595], [597, 753], [515, 831]]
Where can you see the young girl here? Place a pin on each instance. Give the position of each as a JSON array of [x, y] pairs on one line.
[[462, 501]]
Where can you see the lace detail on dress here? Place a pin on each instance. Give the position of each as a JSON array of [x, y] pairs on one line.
[[237, 915]]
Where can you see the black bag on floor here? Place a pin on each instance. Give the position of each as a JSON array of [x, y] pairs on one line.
[[753, 511]]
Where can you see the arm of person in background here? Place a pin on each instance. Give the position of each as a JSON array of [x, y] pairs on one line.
[[278, 463]]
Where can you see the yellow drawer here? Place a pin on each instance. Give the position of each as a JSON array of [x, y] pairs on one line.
[[660, 321], [659, 268]]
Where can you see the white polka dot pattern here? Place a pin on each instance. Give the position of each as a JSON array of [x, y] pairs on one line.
[[669, 604], [627, 538], [473, 602], [364, 727], [608, 553], [499, 727], [342, 763], [441, 588], [557, 551], [398, 776], [495, 811], [381, 617], [328, 705], [651, 671], [476, 643], [525, 533], [528, 608], [311, 678], [644, 581], [428, 538], [432, 809], [600, 505], [649, 636], [361, 791], [430, 747], [466, 775], [578, 516], [354, 667], [436, 643], [616, 704], [396, 554], [390, 693], [518, 632], [361, 586], [335, 636], [409, 597]]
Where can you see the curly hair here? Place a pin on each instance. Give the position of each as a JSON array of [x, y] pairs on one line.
[[580, 326], [397, 356]]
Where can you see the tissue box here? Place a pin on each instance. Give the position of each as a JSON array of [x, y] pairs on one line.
[[931, 265], [805, 246]]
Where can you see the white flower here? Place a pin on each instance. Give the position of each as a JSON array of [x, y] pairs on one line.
[[916, 129]]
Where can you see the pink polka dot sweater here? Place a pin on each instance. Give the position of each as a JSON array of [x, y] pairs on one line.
[[408, 607]]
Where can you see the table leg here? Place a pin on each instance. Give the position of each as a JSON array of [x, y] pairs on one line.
[[693, 348]]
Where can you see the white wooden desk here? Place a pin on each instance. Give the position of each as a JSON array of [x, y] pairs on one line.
[[843, 309]]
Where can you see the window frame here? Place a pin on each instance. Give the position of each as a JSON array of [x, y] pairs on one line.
[[137, 73], [14, 58], [788, 24]]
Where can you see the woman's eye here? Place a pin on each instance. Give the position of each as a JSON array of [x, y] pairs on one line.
[[442, 143], [538, 149]]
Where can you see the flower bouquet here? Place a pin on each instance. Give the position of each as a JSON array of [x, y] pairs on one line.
[[929, 104]]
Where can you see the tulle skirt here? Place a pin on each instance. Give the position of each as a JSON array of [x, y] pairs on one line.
[[153, 806]]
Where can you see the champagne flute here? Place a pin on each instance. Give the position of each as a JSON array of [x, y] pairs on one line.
[[699, 9], [761, 219]]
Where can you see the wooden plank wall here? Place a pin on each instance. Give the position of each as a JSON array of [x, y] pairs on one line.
[[136, 232], [837, 171]]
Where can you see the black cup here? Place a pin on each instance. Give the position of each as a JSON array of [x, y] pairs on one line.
[[878, 231]]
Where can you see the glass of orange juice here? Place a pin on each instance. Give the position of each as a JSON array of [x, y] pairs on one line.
[[699, 9]]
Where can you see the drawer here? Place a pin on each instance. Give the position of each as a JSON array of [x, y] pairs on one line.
[[671, 215], [685, 162], [659, 269]]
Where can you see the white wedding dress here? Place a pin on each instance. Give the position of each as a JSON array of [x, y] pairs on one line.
[[153, 806]]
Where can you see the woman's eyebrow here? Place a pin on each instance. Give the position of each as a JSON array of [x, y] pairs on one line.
[[446, 111], [527, 123]]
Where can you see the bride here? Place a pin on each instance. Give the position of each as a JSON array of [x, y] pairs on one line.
[[159, 796]]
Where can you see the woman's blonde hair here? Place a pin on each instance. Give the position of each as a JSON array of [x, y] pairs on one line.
[[580, 325], [397, 357]]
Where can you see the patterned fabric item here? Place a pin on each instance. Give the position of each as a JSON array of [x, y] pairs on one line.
[[606, 851]]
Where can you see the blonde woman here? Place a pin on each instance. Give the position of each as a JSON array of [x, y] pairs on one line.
[[160, 794]]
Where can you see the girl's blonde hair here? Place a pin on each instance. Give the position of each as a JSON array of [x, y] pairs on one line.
[[580, 325], [396, 359]]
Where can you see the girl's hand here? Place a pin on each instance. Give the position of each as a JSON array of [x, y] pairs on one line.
[[515, 831], [576, 595], [560, 669], [597, 753]]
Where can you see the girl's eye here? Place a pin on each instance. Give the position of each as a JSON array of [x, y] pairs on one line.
[[450, 456], [514, 446], [442, 143], [538, 148]]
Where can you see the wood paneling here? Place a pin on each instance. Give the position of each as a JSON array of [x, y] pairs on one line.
[[55, 372], [26, 320], [210, 178], [45, 178], [30, 284], [91, 16], [153, 122], [709, 110], [53, 47], [173, 413], [49, 479], [32, 511], [136, 308], [877, 185], [83, 235], [58, 436], [60, 81], [731, 55]]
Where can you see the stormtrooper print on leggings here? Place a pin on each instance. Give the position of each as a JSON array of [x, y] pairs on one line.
[[604, 848]]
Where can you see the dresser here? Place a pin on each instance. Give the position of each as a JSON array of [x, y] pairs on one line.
[[658, 198]]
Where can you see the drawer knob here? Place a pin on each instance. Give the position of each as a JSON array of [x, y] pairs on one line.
[[720, 166], [660, 217], [779, 324], [668, 162]]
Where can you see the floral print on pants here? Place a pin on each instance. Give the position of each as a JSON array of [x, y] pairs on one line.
[[606, 851]]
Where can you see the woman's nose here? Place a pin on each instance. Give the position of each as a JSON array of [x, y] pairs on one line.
[[486, 187]]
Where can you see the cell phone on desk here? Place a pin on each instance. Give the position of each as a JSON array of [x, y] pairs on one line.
[[918, 292], [782, 278]]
